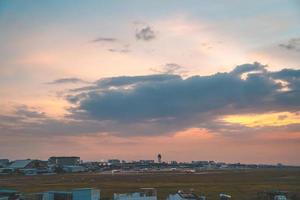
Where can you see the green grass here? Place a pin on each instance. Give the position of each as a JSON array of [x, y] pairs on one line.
[[241, 184]]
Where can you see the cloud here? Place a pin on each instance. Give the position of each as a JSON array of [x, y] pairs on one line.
[[239, 70], [170, 68], [123, 49], [130, 80], [105, 39], [145, 33], [282, 117], [26, 111], [293, 45], [163, 103], [67, 80]]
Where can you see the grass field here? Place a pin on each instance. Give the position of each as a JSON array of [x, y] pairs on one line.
[[241, 184]]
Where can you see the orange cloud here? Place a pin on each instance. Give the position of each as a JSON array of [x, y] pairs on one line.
[[260, 120]]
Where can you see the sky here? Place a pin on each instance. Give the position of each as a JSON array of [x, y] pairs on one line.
[[192, 80]]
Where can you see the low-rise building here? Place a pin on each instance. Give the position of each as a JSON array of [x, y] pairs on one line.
[[27, 164], [9, 194], [74, 168], [181, 195], [114, 162], [143, 194], [57, 195], [4, 163], [21, 164], [75, 194], [146, 161], [86, 194], [64, 160]]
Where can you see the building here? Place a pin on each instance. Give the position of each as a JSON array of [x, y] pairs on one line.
[[147, 162], [8, 194], [4, 162], [27, 164], [33, 196], [114, 162], [75, 194], [74, 168], [57, 195], [29, 172], [86, 194], [21, 164], [180, 195], [143, 194], [64, 160]]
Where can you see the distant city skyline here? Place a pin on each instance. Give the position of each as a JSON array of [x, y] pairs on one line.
[[192, 80]]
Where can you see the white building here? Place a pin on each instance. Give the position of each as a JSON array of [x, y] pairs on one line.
[[144, 194], [180, 195], [86, 194]]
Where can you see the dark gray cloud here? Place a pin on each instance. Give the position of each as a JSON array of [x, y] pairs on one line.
[[165, 102], [67, 80], [239, 70], [145, 33], [291, 76], [105, 39], [129, 80], [26, 111], [293, 44]]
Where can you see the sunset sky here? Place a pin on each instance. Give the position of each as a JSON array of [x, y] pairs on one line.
[[128, 79]]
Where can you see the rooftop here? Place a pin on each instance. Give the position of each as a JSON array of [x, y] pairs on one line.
[[20, 163]]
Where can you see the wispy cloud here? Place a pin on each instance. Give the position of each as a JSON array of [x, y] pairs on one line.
[[123, 49], [67, 80], [105, 39]]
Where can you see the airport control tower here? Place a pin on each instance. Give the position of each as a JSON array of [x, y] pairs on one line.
[[159, 158]]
